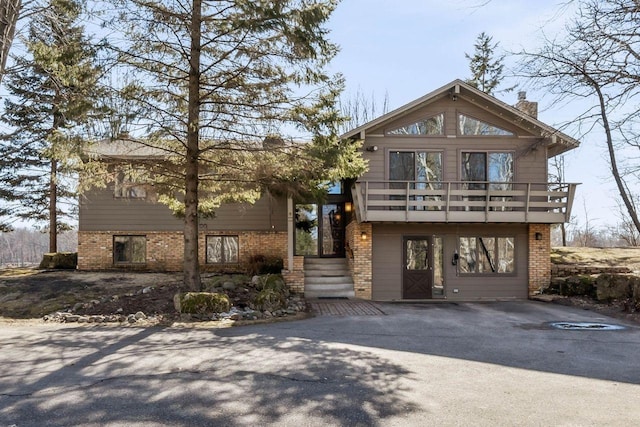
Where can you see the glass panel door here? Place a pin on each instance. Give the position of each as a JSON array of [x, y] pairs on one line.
[[437, 290], [307, 229], [320, 230], [332, 227]]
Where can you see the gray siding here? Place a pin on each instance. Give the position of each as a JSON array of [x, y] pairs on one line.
[[387, 261], [100, 211]]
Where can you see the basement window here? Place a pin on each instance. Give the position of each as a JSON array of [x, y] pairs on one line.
[[222, 249], [129, 249]]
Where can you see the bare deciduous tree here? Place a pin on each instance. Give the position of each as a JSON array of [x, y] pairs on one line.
[[359, 109], [557, 176], [598, 58], [9, 13]]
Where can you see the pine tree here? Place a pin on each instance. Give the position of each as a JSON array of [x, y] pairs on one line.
[[486, 69], [51, 92], [217, 78]]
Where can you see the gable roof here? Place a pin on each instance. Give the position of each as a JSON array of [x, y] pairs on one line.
[[123, 148], [558, 142]]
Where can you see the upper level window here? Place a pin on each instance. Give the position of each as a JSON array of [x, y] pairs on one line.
[[128, 185], [487, 255], [430, 126], [423, 166], [470, 126], [495, 167], [334, 187]]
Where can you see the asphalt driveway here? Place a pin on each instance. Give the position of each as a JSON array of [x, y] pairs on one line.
[[417, 364]]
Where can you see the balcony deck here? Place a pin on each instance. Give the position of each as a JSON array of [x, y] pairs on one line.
[[468, 202]]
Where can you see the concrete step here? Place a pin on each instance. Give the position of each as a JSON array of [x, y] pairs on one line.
[[333, 265], [329, 294], [324, 260], [315, 280], [327, 277], [327, 273], [329, 287]]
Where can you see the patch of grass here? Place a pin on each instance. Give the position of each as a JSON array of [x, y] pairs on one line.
[[18, 271], [614, 257]]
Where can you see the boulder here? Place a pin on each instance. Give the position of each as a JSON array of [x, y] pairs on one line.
[[62, 260], [229, 286], [578, 285], [615, 286]]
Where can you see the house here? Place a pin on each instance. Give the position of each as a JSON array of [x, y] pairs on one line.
[[455, 204]]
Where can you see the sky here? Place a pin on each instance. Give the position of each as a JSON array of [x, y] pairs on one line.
[[408, 48]]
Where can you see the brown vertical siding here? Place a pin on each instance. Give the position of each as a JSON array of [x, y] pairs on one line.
[[100, 211], [387, 261]]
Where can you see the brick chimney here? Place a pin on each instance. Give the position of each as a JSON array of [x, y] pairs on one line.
[[528, 107]]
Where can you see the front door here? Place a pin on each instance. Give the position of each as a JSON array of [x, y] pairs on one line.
[[320, 230], [332, 230], [417, 277]]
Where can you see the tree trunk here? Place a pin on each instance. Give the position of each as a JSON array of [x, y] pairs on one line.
[[9, 14], [191, 263], [612, 158], [53, 198]]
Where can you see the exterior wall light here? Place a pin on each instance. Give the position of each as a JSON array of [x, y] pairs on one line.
[[538, 236], [363, 235], [372, 148], [348, 207]]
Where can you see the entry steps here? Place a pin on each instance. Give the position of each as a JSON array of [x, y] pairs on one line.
[[327, 278]]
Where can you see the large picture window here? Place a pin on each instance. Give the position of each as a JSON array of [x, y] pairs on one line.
[[423, 168], [486, 255], [129, 249], [429, 126], [471, 126], [222, 249], [495, 167]]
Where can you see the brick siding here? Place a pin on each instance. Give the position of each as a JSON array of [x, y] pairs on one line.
[[165, 250], [359, 257], [295, 278], [539, 257]]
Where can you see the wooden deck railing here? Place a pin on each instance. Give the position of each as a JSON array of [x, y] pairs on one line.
[[414, 201]]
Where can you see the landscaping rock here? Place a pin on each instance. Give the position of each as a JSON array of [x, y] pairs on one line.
[[61, 260], [229, 286], [615, 286], [578, 285]]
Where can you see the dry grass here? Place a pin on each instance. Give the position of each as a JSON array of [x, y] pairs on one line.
[[18, 271], [613, 257]]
